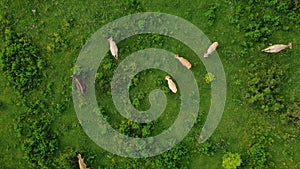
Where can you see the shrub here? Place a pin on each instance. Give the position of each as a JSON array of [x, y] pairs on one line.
[[38, 140], [211, 13], [21, 62], [257, 157], [231, 160], [258, 26], [132, 6], [209, 77], [263, 85], [134, 129], [207, 148], [171, 158]]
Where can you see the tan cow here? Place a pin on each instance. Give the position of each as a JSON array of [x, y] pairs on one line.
[[183, 61], [171, 84], [81, 163], [113, 47], [277, 48], [211, 48]]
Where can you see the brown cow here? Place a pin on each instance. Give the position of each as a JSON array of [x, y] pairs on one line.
[[80, 84]]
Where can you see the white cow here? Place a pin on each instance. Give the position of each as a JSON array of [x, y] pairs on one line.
[[113, 47], [277, 48], [183, 61], [171, 84], [211, 48]]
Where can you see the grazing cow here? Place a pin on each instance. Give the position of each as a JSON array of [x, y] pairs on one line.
[[80, 84], [113, 47], [211, 48], [183, 61], [81, 163], [277, 48], [171, 84]]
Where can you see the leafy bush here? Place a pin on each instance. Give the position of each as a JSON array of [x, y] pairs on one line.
[[21, 62], [207, 148], [58, 42], [66, 159], [263, 85], [231, 160], [132, 6], [211, 12], [171, 158], [209, 77], [257, 156], [258, 26], [292, 116], [38, 140], [135, 129]]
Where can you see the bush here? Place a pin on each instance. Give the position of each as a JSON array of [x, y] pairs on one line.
[[209, 77], [257, 157], [38, 140], [21, 62], [231, 160], [207, 148], [211, 13], [263, 85], [258, 26], [134, 129], [171, 158]]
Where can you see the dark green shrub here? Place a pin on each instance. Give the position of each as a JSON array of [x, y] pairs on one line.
[[135, 129], [21, 62], [263, 85], [211, 12], [172, 158], [38, 140], [258, 26], [66, 159], [207, 148], [257, 156]]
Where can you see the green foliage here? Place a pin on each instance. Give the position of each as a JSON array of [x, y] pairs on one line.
[[136, 102], [57, 42], [4, 23], [231, 160], [258, 26], [135, 129], [292, 116], [21, 62], [66, 159], [211, 12], [263, 85], [38, 140], [171, 158], [209, 77], [257, 157], [132, 6], [207, 148]]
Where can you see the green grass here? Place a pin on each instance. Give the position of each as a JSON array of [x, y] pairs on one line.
[[240, 124]]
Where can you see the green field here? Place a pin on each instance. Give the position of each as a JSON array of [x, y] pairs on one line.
[[260, 124]]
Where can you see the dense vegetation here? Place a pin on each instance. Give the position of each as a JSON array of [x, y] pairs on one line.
[[261, 122], [21, 61]]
